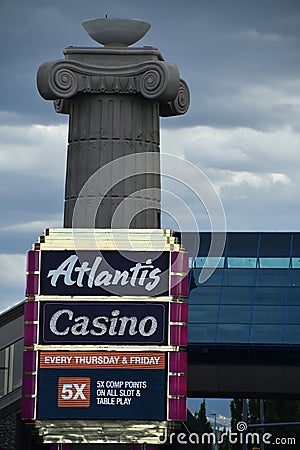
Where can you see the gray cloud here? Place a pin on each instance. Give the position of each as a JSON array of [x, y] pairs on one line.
[[229, 52], [241, 61]]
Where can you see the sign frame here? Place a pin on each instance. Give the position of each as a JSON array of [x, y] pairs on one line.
[[123, 273], [66, 380], [119, 323]]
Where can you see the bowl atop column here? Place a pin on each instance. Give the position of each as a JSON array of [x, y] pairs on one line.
[[116, 32]]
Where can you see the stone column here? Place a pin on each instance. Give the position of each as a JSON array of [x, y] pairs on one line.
[[114, 96]]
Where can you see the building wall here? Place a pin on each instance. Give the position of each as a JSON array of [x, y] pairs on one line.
[[8, 432], [244, 327], [253, 296]]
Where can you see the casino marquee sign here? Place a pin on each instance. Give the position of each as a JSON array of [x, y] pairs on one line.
[[105, 335], [103, 323], [104, 273]]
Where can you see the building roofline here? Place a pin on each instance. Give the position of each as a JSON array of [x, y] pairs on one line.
[[12, 313]]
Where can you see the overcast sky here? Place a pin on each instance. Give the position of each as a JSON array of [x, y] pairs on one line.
[[241, 60]]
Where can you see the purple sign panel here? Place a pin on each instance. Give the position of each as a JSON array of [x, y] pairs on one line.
[[103, 323], [104, 273]]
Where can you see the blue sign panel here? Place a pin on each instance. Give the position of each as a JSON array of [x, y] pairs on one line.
[[103, 323], [112, 391], [105, 273]]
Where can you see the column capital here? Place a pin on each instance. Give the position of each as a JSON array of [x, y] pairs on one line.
[[154, 80], [179, 105], [94, 71]]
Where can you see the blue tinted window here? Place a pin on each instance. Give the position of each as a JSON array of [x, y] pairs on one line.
[[275, 244], [294, 277], [268, 314], [270, 296], [272, 277], [293, 315], [239, 277], [239, 296], [296, 244], [296, 263], [236, 263], [205, 239], [275, 263], [266, 334], [212, 261], [294, 296], [254, 294], [203, 333], [205, 295], [214, 280], [242, 244], [203, 313], [292, 334], [233, 333], [234, 314]]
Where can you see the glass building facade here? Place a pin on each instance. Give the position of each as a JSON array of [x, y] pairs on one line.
[[11, 369], [244, 321], [11, 356], [253, 296]]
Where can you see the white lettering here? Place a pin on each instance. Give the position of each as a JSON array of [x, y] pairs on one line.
[[153, 360], [153, 276], [123, 276], [79, 391], [104, 278], [113, 322], [54, 319], [118, 325], [124, 321], [93, 271], [82, 270], [139, 274], [153, 326], [65, 269], [80, 328], [101, 326]]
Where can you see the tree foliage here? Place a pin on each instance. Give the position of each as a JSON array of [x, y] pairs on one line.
[[274, 411], [277, 411], [201, 417]]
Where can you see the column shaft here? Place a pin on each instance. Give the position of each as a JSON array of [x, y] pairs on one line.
[[102, 129]]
